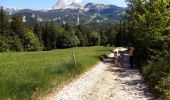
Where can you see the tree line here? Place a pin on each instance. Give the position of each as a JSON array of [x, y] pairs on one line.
[[148, 29], [16, 35]]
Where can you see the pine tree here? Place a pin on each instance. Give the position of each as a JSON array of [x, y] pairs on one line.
[[3, 23], [46, 37], [18, 27], [38, 30], [104, 38]]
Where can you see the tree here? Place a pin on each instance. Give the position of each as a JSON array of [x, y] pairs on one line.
[[147, 20], [18, 27], [3, 22], [23, 36], [4, 46], [104, 37], [111, 34], [38, 30], [148, 24], [94, 38], [15, 43], [69, 40], [60, 32], [81, 38], [31, 42], [121, 38]]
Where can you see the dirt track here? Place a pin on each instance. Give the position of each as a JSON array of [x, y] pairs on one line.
[[106, 82]]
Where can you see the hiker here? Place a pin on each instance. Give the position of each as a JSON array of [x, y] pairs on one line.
[[131, 55]]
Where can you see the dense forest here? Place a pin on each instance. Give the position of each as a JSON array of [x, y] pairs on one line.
[[17, 35]]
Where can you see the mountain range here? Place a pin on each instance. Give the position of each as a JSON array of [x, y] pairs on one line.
[[73, 13]]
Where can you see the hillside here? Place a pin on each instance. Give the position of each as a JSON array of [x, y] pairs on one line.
[[91, 13]]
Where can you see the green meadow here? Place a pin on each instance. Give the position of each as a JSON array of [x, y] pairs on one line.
[[28, 75]]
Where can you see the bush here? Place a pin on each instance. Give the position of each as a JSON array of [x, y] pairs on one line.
[[164, 87], [157, 76]]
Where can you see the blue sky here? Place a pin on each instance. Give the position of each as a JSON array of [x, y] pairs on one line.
[[46, 4]]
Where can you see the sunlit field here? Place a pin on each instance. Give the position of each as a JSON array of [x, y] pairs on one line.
[[27, 75]]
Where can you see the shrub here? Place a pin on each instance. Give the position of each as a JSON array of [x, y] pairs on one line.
[[164, 87], [157, 76]]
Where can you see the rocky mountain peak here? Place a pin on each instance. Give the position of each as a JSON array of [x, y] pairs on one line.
[[60, 4]]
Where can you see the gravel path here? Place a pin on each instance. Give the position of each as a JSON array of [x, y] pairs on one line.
[[105, 82]]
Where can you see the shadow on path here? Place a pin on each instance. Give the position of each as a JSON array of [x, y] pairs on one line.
[[128, 78]]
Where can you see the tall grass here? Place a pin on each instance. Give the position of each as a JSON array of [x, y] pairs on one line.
[[27, 75]]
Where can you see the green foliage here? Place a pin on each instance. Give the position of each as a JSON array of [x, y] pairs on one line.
[[38, 30], [81, 38], [29, 75], [112, 36], [104, 39], [3, 22], [94, 38], [18, 27], [158, 79], [4, 46], [121, 38], [69, 39], [31, 42], [148, 26], [48, 36], [164, 87], [15, 43], [75, 41]]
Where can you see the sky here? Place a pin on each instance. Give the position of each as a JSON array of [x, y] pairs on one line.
[[47, 4]]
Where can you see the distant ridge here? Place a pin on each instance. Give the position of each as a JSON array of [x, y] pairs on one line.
[[90, 14]]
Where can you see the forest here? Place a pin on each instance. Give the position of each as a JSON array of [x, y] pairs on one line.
[[17, 35]]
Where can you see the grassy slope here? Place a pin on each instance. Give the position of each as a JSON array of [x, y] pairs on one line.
[[26, 75]]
